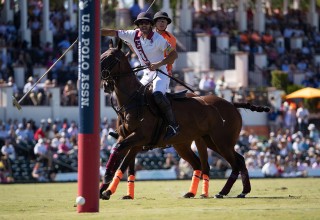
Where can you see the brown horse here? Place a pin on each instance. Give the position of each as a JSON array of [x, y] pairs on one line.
[[212, 121]]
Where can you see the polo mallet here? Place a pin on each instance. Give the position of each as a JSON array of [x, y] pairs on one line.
[[17, 103]]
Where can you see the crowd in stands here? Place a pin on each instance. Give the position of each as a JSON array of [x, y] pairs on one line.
[[35, 54], [280, 56], [50, 146]]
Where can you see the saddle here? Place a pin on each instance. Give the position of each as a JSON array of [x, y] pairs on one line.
[[147, 100], [177, 95]]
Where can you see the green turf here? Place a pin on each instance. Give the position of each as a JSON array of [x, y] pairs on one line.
[[269, 199]]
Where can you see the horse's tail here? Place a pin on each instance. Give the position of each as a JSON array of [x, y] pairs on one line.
[[253, 108]]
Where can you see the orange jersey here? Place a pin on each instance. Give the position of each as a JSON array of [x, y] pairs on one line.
[[173, 42]]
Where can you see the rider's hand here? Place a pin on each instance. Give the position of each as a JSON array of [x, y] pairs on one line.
[[154, 66]]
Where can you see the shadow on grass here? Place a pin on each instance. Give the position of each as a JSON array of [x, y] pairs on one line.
[[261, 197]]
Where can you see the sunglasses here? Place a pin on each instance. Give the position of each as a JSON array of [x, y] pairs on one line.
[[144, 23]]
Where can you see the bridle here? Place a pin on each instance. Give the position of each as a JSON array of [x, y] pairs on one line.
[[112, 61], [109, 78]]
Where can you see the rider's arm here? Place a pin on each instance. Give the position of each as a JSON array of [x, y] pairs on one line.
[[108, 32], [170, 58]]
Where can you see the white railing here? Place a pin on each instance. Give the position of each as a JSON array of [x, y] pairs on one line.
[[54, 110]]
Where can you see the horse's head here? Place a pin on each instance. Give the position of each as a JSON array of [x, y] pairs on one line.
[[114, 63]]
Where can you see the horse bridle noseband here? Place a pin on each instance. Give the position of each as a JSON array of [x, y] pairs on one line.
[[106, 72]]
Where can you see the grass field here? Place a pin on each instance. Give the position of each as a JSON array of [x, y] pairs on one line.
[[269, 199]]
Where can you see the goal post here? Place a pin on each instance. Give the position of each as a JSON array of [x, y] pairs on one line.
[[89, 105]]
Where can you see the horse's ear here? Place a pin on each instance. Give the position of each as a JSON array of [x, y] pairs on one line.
[[110, 43], [119, 44]]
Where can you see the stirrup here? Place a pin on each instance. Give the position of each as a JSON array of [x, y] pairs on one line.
[[171, 131]]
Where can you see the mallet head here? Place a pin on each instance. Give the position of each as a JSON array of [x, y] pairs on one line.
[[16, 103]]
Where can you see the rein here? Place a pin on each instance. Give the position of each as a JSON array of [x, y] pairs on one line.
[[106, 76], [175, 79], [183, 84]]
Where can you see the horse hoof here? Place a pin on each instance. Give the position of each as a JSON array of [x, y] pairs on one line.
[[203, 196], [127, 197], [242, 195], [189, 195], [218, 196], [103, 187], [106, 195]]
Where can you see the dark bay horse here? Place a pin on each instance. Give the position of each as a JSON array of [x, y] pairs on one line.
[[212, 121]]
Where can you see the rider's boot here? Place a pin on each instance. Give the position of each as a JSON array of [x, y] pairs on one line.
[[165, 107]]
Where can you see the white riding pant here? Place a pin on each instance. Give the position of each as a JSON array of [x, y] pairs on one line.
[[160, 81]]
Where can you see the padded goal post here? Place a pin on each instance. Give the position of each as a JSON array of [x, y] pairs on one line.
[[89, 105]]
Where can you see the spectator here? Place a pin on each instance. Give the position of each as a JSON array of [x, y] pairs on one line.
[[221, 85], [29, 133], [67, 25], [12, 134], [42, 153], [64, 44], [47, 95], [270, 169], [40, 149], [63, 148], [40, 132], [49, 132], [24, 61], [5, 172], [15, 90], [73, 129], [134, 10], [21, 133], [313, 133], [302, 118], [69, 96], [8, 151], [272, 119], [48, 49], [35, 95], [206, 83], [290, 119]]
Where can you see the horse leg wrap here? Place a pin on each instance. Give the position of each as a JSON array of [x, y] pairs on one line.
[[195, 182], [130, 189], [231, 180], [246, 182], [116, 179], [113, 162], [205, 185]]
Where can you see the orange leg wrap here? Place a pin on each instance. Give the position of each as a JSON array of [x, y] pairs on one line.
[[195, 182], [205, 185], [130, 189], [116, 179]]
